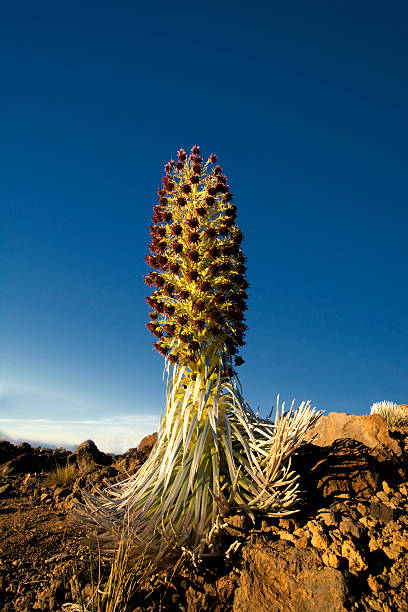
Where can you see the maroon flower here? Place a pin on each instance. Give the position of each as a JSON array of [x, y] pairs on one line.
[[153, 315], [181, 154], [181, 201], [193, 345], [223, 230], [212, 191], [213, 158], [169, 289], [179, 165], [239, 361], [156, 330], [160, 348], [199, 306], [151, 302], [201, 211], [209, 200], [169, 309], [195, 150], [220, 188], [148, 279], [161, 246], [174, 267], [215, 330], [229, 221], [217, 170], [199, 324], [152, 261], [162, 259], [197, 168], [194, 237], [169, 328], [195, 179], [226, 285], [172, 358], [184, 295], [231, 210], [227, 197], [176, 229], [205, 286], [192, 275], [210, 232], [214, 268], [214, 251], [163, 201], [219, 298], [215, 316], [194, 255], [177, 247], [186, 188], [192, 222], [238, 237], [167, 216]]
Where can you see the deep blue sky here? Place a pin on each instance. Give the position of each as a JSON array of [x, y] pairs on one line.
[[305, 103]]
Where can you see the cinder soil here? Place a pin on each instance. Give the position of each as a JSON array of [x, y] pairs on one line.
[[347, 548]]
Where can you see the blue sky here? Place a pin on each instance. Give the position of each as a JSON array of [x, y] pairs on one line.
[[305, 105]]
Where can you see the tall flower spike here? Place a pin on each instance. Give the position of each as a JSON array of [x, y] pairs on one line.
[[212, 454]]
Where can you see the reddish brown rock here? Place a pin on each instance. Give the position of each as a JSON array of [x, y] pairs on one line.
[[146, 445], [369, 429], [282, 578]]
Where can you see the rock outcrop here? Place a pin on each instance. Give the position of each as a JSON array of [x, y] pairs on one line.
[[346, 548], [369, 429]]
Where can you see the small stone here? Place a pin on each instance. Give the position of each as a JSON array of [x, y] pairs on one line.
[[382, 496], [289, 537], [350, 552], [327, 518], [382, 512], [395, 581], [331, 559], [319, 538], [302, 542], [350, 528], [386, 488]]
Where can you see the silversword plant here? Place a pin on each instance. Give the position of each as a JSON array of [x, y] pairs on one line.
[[213, 455], [393, 414]]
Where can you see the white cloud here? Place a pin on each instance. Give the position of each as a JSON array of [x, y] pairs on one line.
[[110, 435]]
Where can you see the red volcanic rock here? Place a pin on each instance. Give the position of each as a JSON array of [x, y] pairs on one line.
[[146, 445], [369, 429]]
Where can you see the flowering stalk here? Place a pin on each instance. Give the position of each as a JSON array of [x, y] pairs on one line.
[[213, 455]]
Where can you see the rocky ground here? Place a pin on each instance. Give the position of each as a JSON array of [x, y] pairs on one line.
[[347, 548]]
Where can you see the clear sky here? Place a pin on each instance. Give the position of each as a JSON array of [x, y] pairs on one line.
[[305, 103]]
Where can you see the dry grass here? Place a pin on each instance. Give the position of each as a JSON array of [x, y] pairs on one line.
[[63, 474], [114, 593]]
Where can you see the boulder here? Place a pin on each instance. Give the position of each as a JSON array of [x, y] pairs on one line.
[[87, 454], [277, 576], [369, 429], [145, 447], [347, 467]]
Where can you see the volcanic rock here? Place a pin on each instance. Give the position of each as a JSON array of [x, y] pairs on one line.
[[369, 429]]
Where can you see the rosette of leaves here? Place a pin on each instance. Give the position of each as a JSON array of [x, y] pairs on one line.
[[393, 414], [213, 455]]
